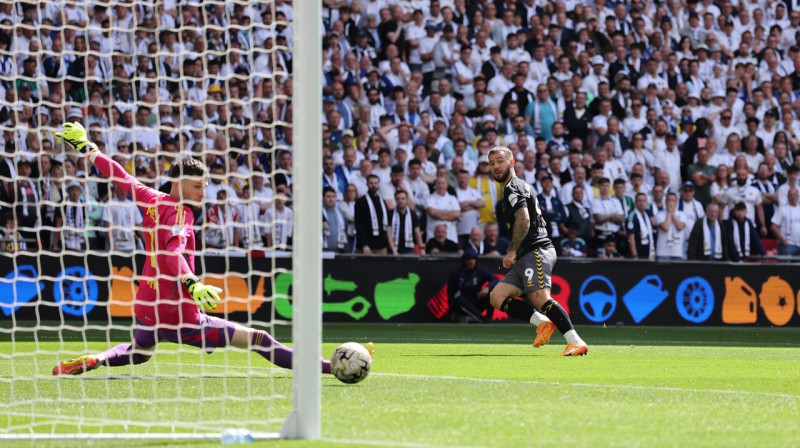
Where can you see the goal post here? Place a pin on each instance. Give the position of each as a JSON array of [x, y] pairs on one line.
[[305, 421]]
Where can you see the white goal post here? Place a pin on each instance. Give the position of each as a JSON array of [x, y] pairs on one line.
[[306, 419]]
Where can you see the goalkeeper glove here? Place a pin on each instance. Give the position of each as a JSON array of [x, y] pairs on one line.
[[75, 135], [205, 296]]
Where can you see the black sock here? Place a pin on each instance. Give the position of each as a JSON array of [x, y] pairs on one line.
[[521, 309], [555, 312]]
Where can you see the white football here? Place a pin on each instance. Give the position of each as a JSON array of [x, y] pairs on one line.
[[351, 362]]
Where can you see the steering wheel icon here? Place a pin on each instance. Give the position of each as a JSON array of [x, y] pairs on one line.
[[599, 304]]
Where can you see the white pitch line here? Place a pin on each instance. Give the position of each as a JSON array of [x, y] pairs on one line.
[[613, 386], [354, 442]]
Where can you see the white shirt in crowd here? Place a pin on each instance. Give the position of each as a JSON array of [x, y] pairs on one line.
[[747, 194], [670, 243], [670, 161], [279, 225], [694, 212], [123, 217], [469, 218], [607, 206], [787, 218], [442, 202]]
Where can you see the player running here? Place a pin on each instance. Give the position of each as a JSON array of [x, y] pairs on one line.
[[170, 302], [531, 256]]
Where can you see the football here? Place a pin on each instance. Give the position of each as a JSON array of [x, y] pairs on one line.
[[351, 362]]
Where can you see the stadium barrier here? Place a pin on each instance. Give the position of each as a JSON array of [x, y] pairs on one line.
[[403, 289]]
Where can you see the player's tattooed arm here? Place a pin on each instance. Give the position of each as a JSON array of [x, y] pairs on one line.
[[522, 223]]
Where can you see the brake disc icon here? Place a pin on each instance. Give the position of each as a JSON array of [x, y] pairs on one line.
[[76, 296], [695, 299]]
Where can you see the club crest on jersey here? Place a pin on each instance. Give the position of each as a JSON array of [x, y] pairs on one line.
[[177, 230]]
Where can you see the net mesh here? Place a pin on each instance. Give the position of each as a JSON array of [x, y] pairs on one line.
[[153, 82]]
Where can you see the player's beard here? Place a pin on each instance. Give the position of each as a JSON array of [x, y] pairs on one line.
[[504, 177]]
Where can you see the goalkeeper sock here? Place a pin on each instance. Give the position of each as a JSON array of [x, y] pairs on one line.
[[122, 355], [520, 309], [555, 312], [273, 351]]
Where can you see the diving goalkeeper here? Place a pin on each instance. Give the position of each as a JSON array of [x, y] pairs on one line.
[[171, 301]]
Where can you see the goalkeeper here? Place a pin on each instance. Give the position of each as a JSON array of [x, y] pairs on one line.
[[171, 301]]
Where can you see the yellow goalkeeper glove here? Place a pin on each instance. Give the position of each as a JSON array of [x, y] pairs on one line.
[[75, 135], [205, 296]]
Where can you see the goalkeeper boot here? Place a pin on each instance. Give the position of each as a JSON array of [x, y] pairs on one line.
[[76, 366], [543, 333], [576, 349]]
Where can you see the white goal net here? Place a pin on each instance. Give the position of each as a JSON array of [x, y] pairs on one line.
[[153, 82]]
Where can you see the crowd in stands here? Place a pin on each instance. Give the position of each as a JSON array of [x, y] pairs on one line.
[[647, 129]]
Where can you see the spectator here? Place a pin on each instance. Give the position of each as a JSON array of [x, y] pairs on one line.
[[668, 160], [743, 240], [707, 240], [26, 196], [580, 214], [124, 219], [552, 209], [722, 181], [70, 225], [439, 243], [468, 288], [359, 179], [470, 202], [640, 227], [443, 209], [573, 246], [334, 227], [253, 226], [475, 241], [418, 190], [671, 222], [609, 250], [280, 224], [494, 244], [607, 213], [347, 208], [371, 219], [690, 207], [792, 181], [769, 192], [396, 183], [222, 224], [702, 175], [282, 180], [743, 192], [332, 179], [404, 225], [786, 225]]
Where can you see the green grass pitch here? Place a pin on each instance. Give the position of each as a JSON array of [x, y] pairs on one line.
[[443, 386]]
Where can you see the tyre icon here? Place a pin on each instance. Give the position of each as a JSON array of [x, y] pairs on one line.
[[695, 299]]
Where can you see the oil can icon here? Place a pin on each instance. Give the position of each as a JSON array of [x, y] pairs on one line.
[[645, 297]]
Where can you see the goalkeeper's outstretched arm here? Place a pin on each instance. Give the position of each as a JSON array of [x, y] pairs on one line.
[[75, 135]]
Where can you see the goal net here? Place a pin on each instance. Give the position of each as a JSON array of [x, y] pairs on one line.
[[153, 82]]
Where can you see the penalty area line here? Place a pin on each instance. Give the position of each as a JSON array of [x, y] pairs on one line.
[[611, 386]]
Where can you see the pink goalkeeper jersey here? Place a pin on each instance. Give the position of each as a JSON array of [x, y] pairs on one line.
[[162, 300]]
